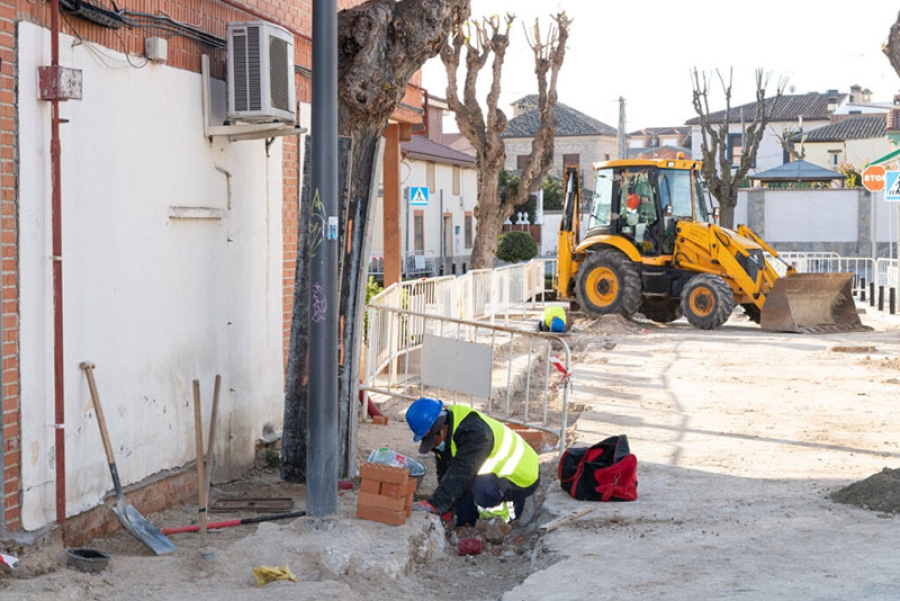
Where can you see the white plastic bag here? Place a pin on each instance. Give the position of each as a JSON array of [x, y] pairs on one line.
[[386, 456]]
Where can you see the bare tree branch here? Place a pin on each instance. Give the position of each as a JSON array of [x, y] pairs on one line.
[[891, 48], [484, 129], [723, 176]]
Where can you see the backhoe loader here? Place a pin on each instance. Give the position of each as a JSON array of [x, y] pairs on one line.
[[652, 246]]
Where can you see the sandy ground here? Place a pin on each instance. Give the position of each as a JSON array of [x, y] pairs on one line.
[[744, 441]]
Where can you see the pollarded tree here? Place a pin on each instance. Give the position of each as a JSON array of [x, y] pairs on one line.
[[381, 44], [891, 47], [723, 177], [483, 128]]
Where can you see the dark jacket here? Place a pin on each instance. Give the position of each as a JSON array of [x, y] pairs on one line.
[[474, 442]]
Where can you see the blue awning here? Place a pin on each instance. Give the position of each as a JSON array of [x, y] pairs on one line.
[[797, 171]]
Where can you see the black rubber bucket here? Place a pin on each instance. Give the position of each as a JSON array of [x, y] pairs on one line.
[[87, 559]]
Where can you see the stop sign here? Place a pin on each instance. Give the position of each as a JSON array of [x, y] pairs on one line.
[[873, 178]]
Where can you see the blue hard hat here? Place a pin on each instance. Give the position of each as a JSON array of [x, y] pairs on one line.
[[421, 416], [557, 325]]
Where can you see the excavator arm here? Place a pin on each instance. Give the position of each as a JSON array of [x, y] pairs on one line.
[[569, 233]]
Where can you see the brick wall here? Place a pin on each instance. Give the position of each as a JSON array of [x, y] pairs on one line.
[[146, 498], [211, 17], [9, 285]]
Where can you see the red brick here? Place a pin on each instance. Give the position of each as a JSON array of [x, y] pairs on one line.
[[370, 486], [381, 502], [397, 491], [384, 473], [380, 420], [385, 516]]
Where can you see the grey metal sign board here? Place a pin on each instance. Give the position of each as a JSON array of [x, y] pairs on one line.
[[464, 367]]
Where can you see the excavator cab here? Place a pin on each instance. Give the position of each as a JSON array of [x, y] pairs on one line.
[[644, 202]]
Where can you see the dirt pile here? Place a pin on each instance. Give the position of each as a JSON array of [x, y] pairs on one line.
[[608, 325], [878, 492]]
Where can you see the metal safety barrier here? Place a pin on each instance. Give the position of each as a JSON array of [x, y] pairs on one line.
[[863, 270], [527, 371]]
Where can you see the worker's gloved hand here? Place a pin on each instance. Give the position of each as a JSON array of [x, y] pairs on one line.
[[425, 506]]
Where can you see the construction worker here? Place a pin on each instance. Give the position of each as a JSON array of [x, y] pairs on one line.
[[553, 319], [484, 469]]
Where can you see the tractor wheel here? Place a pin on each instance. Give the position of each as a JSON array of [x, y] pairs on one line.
[[608, 283], [752, 311], [707, 301], [661, 310]]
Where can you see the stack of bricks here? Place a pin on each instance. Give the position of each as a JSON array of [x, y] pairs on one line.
[[385, 494]]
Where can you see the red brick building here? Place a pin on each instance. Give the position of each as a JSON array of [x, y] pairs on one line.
[[131, 204]]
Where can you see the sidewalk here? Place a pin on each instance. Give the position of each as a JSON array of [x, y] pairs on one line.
[[741, 436]]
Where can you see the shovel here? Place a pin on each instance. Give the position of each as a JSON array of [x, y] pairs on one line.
[[130, 517]]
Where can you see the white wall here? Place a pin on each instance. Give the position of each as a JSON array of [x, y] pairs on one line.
[[854, 152], [414, 174], [830, 215], [795, 216], [154, 300]]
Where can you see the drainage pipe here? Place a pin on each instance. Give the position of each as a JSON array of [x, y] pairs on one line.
[[56, 210]]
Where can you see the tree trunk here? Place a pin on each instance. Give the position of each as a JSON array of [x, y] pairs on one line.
[[489, 218], [726, 214], [891, 47], [357, 218], [296, 398], [381, 44]]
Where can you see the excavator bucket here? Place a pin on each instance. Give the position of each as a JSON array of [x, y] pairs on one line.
[[811, 303]]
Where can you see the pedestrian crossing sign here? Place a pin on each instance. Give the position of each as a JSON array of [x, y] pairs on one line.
[[892, 186], [418, 196]]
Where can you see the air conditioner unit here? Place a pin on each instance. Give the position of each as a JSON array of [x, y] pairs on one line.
[[260, 73]]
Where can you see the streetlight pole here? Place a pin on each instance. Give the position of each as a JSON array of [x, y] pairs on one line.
[[322, 429]]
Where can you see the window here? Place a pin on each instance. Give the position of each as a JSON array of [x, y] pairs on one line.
[[522, 162], [419, 231], [572, 159], [448, 235], [735, 149], [429, 176], [735, 146], [468, 229], [834, 157], [456, 178]]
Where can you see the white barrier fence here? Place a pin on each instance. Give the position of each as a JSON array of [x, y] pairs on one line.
[[869, 275], [524, 389], [468, 307]]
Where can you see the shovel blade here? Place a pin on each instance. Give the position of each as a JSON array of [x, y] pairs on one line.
[[811, 303], [141, 528]]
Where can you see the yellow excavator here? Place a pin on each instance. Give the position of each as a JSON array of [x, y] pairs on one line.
[[652, 246]]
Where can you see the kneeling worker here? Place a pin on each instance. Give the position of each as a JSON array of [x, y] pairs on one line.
[[482, 466], [553, 319]]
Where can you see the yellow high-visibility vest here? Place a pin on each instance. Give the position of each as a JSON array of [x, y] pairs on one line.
[[511, 458]]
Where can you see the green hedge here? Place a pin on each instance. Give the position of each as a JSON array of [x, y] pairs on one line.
[[515, 247]]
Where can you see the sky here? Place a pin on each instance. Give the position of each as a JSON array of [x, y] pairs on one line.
[[646, 55]]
